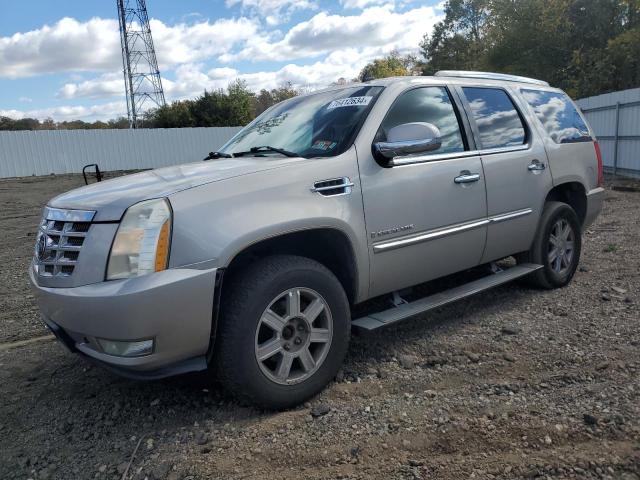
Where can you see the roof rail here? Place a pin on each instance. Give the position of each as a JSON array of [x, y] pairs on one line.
[[488, 76]]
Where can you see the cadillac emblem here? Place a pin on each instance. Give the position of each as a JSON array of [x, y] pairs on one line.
[[42, 246]]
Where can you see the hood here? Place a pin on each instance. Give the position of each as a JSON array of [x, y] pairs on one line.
[[111, 198]]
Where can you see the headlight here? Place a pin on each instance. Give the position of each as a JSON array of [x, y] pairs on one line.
[[142, 242]]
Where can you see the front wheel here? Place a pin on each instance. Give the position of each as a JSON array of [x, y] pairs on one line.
[[556, 247], [283, 332]]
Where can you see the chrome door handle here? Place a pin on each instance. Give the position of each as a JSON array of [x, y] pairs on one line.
[[467, 177], [536, 166]]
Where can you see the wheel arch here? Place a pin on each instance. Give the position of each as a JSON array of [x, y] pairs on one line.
[[574, 194], [329, 246]]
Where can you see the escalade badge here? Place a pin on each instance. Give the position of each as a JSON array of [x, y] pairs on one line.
[[389, 231]]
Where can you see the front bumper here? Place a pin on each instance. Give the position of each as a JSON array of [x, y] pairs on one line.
[[173, 307], [595, 198]]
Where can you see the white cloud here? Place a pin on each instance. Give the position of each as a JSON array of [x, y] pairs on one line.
[[273, 11], [192, 79], [94, 45], [360, 3], [103, 111], [25, 99], [380, 27], [66, 46], [106, 85]]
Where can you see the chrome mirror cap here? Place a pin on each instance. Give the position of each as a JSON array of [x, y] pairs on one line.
[[408, 139]]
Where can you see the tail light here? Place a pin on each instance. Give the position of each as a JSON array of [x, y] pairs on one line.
[[600, 168]]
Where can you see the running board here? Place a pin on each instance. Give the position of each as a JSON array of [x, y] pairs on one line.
[[407, 310]]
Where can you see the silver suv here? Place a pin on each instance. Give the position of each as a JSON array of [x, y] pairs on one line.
[[251, 263]]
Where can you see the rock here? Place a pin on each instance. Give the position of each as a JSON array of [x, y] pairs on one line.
[[606, 297], [430, 393], [102, 468], [160, 471], [415, 463], [510, 330], [474, 357], [201, 438], [406, 443], [320, 410], [590, 419], [583, 269], [547, 440], [155, 402], [122, 467], [508, 357], [340, 376], [406, 361], [619, 290], [205, 450], [602, 366], [434, 361]]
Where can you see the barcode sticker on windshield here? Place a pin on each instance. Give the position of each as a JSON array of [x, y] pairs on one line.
[[350, 102]]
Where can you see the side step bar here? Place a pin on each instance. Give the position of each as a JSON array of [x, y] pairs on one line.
[[407, 310]]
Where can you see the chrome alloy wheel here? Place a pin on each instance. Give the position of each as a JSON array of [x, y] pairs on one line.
[[293, 336], [561, 246]]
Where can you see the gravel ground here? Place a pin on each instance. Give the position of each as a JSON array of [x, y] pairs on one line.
[[513, 383]]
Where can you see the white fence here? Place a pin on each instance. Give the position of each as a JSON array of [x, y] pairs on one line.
[[27, 153], [615, 117]]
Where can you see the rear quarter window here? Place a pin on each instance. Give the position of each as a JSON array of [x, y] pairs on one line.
[[558, 116]]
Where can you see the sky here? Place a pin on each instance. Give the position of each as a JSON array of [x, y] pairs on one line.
[[61, 59]]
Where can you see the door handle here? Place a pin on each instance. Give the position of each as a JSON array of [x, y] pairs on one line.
[[536, 166], [467, 177]]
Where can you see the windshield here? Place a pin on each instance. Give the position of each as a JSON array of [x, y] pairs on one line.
[[319, 125]]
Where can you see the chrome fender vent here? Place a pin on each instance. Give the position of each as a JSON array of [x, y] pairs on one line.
[[333, 187]]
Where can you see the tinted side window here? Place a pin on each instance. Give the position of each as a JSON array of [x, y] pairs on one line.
[[557, 114], [426, 104], [496, 117]]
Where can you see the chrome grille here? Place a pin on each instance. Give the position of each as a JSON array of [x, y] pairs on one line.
[[60, 239]]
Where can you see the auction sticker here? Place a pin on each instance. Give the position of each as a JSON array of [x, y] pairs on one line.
[[324, 145], [349, 102]]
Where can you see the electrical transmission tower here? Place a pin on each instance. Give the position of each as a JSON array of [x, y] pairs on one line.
[[141, 75]]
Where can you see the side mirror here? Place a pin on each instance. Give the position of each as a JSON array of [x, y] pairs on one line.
[[408, 139]]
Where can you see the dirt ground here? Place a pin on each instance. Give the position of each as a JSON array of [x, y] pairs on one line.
[[513, 383]]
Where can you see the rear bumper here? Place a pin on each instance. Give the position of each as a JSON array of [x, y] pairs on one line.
[[173, 307], [595, 199]]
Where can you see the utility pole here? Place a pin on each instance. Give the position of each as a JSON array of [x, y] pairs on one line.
[[142, 81]]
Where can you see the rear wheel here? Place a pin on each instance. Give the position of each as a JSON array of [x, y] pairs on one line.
[[283, 332], [556, 247]]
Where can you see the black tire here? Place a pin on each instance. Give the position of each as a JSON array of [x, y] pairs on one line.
[[547, 277], [246, 296]]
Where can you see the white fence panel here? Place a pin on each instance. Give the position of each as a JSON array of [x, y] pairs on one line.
[[615, 117], [27, 153]]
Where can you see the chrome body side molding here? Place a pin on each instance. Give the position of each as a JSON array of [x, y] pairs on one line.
[[413, 239]]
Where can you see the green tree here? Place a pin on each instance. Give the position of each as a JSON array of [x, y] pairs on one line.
[[392, 65], [175, 115], [266, 98], [458, 41]]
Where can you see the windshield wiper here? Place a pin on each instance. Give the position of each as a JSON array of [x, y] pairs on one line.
[[267, 148], [214, 155]]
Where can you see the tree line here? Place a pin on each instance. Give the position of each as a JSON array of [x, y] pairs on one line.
[[586, 47]]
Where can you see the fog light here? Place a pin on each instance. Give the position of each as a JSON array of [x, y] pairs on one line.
[[126, 349]]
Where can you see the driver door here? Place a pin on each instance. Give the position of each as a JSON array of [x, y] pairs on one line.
[[426, 214]]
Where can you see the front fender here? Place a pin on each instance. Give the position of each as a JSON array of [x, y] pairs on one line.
[[214, 222]]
